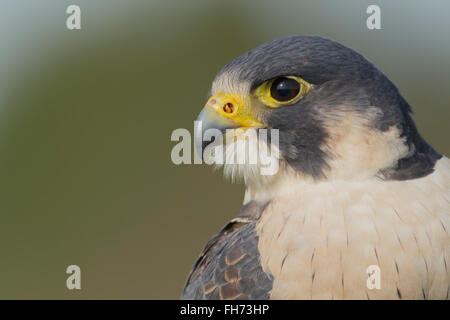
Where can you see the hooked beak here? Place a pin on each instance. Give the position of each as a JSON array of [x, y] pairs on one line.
[[221, 112]]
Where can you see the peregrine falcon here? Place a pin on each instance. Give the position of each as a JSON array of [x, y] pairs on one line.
[[357, 185]]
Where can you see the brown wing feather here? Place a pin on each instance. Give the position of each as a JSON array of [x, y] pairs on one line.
[[229, 266]]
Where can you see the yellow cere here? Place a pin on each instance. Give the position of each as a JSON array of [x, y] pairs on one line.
[[232, 106], [263, 92]]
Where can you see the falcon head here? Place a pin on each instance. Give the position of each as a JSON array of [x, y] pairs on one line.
[[337, 115]]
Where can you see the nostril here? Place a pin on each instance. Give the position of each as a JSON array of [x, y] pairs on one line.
[[228, 107]]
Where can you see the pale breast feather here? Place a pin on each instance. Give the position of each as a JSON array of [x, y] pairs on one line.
[[328, 234]]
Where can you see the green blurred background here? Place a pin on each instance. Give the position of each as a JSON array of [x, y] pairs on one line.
[[86, 118]]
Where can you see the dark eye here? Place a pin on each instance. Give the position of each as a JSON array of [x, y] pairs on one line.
[[285, 89]]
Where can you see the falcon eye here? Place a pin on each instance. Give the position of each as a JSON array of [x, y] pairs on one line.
[[285, 89], [282, 91]]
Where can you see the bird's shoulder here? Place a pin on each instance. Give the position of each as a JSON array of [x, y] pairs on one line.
[[229, 266]]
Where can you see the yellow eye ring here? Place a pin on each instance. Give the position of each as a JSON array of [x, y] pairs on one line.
[[282, 91]]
